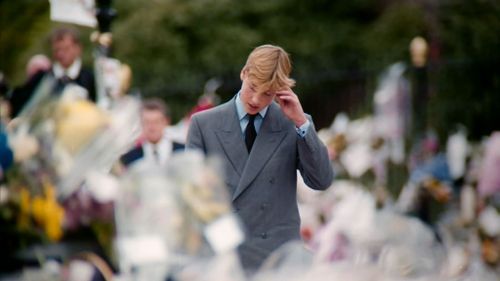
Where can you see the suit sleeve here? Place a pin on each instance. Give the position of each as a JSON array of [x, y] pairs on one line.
[[86, 79], [313, 162], [195, 136], [20, 96]]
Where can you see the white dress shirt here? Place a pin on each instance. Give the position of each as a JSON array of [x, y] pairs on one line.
[[164, 149], [72, 71]]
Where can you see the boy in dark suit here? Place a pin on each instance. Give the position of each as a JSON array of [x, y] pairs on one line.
[[155, 148]]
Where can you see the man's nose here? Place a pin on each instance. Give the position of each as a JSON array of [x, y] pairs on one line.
[[256, 99]]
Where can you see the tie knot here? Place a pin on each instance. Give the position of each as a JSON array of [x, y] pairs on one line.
[[251, 117], [156, 155]]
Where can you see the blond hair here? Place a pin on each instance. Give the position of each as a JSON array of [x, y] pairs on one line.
[[269, 66]]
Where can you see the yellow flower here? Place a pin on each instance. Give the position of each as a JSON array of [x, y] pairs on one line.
[[50, 192], [38, 209], [54, 214], [24, 209], [54, 217], [48, 213], [77, 123]]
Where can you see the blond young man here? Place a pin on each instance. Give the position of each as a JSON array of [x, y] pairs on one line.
[[263, 137]]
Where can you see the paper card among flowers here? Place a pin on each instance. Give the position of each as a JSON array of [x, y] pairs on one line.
[[80, 12]]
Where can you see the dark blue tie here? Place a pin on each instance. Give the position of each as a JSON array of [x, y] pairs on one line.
[[250, 132], [61, 83]]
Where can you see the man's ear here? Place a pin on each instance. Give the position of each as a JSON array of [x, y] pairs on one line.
[[243, 73], [78, 50]]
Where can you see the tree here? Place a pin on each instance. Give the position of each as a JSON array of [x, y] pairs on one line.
[[338, 49]]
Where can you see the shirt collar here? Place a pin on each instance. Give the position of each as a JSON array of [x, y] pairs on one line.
[[241, 110], [72, 71]]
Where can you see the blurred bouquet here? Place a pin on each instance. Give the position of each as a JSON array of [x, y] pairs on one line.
[[168, 219], [58, 143]]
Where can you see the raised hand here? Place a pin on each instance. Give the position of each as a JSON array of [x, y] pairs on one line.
[[291, 107]]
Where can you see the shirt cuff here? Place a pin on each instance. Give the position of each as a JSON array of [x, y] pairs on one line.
[[302, 130]]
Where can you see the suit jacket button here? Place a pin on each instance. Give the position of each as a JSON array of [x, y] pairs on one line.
[[271, 181], [262, 207], [263, 235]]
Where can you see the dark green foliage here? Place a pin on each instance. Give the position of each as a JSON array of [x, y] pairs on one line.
[[467, 74], [339, 48]]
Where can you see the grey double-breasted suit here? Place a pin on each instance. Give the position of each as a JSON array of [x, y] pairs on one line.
[[262, 183]]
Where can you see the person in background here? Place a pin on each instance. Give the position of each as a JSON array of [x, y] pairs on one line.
[[67, 68], [155, 147], [263, 137], [36, 64]]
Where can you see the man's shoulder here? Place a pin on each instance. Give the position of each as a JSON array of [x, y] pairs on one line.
[[132, 155], [86, 73], [214, 112], [177, 146]]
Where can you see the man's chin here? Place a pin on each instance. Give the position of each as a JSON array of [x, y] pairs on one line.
[[154, 141], [253, 111]]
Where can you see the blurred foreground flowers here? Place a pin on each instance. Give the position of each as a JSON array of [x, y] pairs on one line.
[[58, 142], [439, 221]]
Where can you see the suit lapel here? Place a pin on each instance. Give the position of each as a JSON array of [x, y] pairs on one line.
[[269, 137], [231, 138]]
